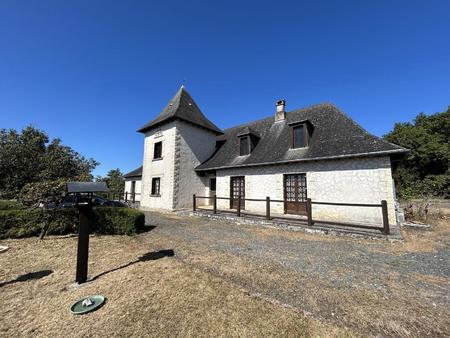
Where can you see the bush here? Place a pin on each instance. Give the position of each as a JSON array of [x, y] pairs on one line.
[[10, 205], [29, 222], [42, 192], [118, 221]]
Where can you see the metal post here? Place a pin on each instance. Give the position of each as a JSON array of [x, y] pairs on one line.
[[215, 204], [238, 212], [384, 210], [83, 244], [194, 206], [309, 211], [267, 207]]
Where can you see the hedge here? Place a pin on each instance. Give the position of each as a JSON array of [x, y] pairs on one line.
[[10, 205], [106, 220]]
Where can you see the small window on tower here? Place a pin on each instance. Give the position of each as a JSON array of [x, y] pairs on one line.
[[157, 153]]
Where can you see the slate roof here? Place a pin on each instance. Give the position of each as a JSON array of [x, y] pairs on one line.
[[182, 107], [246, 130], [335, 135], [134, 173]]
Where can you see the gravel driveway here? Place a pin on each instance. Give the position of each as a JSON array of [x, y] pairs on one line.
[[378, 287]]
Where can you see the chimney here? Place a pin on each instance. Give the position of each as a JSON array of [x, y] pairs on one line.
[[280, 114]]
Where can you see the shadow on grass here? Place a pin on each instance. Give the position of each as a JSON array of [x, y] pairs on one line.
[[149, 256], [28, 276], [146, 228]]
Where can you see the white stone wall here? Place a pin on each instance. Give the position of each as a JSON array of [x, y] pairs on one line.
[[358, 180], [194, 145], [164, 168], [137, 190]]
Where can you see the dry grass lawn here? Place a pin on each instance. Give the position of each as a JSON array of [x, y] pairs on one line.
[[162, 297], [217, 286]]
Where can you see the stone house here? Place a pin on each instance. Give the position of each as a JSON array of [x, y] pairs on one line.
[[316, 152], [133, 181]]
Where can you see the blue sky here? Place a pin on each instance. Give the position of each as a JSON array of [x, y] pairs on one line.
[[92, 72]]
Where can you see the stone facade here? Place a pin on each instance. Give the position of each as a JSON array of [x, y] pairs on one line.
[[161, 168], [194, 146], [184, 146], [358, 180]]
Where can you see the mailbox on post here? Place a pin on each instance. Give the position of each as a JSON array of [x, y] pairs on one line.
[[83, 193]]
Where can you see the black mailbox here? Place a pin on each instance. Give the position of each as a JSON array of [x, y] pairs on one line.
[[83, 193]]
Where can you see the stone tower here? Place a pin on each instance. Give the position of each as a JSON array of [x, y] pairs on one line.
[[176, 141]]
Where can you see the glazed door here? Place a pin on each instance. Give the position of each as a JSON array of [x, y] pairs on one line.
[[295, 194], [237, 188]]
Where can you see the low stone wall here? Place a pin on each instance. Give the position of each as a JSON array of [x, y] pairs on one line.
[[300, 226]]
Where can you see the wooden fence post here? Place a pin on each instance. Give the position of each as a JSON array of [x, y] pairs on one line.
[[384, 210], [126, 196], [215, 204], [194, 206], [309, 211], [134, 197], [268, 207], [238, 212]]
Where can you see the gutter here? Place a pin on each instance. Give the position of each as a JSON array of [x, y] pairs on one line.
[[379, 153]]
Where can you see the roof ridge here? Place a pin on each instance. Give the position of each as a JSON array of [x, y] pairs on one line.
[[246, 124], [183, 107]]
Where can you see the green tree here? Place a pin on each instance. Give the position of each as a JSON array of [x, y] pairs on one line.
[[115, 181], [29, 157], [425, 170]]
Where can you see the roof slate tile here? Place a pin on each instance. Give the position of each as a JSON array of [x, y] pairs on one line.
[[335, 135]]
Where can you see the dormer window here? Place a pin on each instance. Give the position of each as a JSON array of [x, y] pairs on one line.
[[248, 139], [244, 145], [300, 135]]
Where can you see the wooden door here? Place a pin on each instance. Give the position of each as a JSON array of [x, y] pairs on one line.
[[237, 188], [295, 194]]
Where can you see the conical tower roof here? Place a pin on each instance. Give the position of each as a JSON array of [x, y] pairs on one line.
[[182, 107]]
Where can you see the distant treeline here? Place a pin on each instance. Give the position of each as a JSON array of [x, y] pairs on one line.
[[423, 172]]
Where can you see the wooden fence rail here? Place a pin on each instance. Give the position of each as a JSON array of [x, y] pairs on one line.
[[309, 217]]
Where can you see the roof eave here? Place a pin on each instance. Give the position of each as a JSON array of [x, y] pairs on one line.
[[157, 124], [132, 177], [369, 154]]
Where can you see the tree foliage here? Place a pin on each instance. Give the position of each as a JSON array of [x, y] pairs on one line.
[[114, 179], [45, 192], [29, 157], [425, 170]]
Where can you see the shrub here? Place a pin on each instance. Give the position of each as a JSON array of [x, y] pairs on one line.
[[42, 192], [106, 220], [118, 221], [10, 205], [29, 222]]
